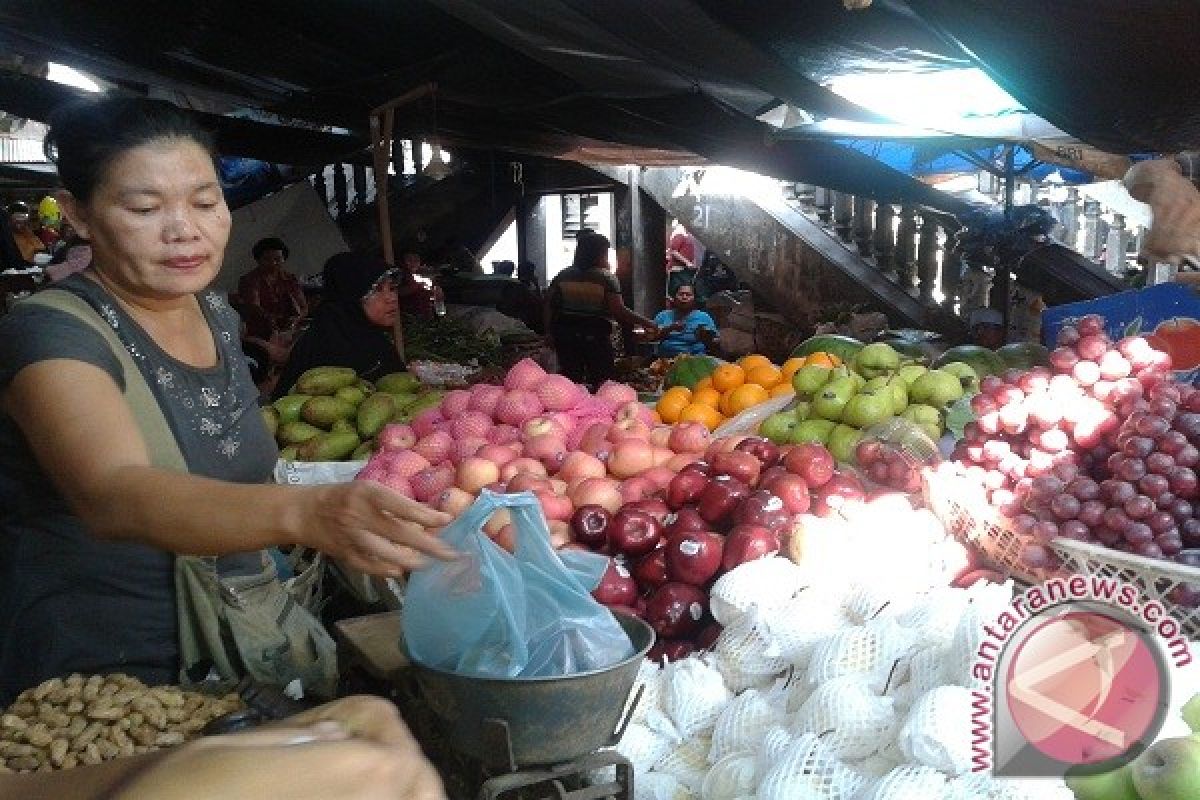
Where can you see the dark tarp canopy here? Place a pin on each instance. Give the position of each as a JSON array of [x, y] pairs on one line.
[[674, 79]]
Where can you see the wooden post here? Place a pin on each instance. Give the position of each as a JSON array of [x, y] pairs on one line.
[[885, 238], [843, 215], [381, 152], [927, 258], [951, 276], [864, 218], [339, 188], [906, 247]]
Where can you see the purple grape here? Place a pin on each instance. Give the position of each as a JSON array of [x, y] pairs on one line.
[[1152, 426], [1116, 519], [1047, 486], [1153, 485], [1170, 543], [1149, 550], [1182, 510], [1065, 506], [1091, 513], [1138, 533], [1084, 489], [1074, 529], [1172, 442], [1166, 500], [1163, 407], [1139, 507], [1130, 469], [1190, 530], [1035, 556], [1188, 423], [1137, 447], [1118, 492], [1046, 531], [1159, 463], [1186, 595], [1106, 536], [1068, 336], [1183, 482], [1188, 457], [1160, 522]]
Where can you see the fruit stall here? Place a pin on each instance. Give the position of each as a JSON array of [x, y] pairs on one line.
[[807, 552]]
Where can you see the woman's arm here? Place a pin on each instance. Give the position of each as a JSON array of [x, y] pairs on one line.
[[623, 315], [84, 436], [1175, 232]]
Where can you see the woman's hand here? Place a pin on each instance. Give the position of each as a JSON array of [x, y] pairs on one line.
[[1175, 232], [357, 748], [370, 528]]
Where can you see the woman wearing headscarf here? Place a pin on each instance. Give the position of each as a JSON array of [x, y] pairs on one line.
[[356, 324]]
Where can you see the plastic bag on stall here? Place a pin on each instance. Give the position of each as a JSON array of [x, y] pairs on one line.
[[748, 421], [499, 615]]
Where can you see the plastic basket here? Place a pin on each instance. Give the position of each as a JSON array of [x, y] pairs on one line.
[[964, 510], [446, 376], [1154, 578]]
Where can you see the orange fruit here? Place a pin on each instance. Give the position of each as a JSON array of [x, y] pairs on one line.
[[754, 360], [782, 389], [790, 368], [823, 360], [705, 415], [745, 397], [728, 376], [765, 376], [707, 397], [723, 407], [669, 407], [704, 383]]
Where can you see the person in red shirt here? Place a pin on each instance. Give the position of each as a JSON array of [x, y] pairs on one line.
[[271, 298]]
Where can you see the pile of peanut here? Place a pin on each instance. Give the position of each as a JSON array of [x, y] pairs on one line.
[[76, 720]]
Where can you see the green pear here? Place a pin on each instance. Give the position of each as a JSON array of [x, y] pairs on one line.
[[844, 372], [351, 394], [843, 439], [910, 372], [813, 430], [895, 389], [808, 380], [1116, 784], [936, 388], [965, 373], [801, 409], [831, 401], [868, 408], [927, 418], [877, 359], [779, 427], [1191, 713], [1169, 770]]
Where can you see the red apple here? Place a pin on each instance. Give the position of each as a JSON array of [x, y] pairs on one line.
[[766, 451], [589, 524], [686, 487], [671, 650], [764, 509], [738, 464], [694, 557], [792, 490], [655, 508], [720, 499], [675, 610], [771, 474], [617, 587], [650, 571], [659, 477], [840, 489], [707, 637], [634, 533], [634, 489], [747, 543], [689, 437], [812, 462], [685, 519]]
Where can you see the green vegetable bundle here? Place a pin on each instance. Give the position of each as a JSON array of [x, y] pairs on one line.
[[447, 340]]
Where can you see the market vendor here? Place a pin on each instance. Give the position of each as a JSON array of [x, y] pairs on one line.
[[270, 297], [683, 328], [136, 515], [357, 325], [581, 304]]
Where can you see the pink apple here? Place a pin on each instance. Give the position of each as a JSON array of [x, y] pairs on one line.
[[689, 437], [523, 464], [634, 489], [396, 437], [560, 534], [662, 455], [528, 482], [554, 506], [726, 444], [630, 457], [474, 473], [660, 436], [597, 492], [542, 426], [659, 476], [506, 538], [454, 501], [548, 449], [625, 429], [498, 454], [680, 461], [581, 465], [498, 520]]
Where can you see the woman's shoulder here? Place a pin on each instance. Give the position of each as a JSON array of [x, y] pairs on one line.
[[33, 332]]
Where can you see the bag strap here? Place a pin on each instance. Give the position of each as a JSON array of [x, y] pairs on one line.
[[156, 431]]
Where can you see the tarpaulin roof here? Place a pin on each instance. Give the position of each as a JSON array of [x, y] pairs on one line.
[[677, 79]]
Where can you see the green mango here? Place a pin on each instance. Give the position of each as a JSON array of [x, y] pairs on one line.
[[427, 400], [288, 453], [343, 426], [366, 386], [363, 451], [289, 406], [398, 383], [328, 447], [374, 413], [271, 419], [351, 394], [324, 411], [297, 432], [325, 380]]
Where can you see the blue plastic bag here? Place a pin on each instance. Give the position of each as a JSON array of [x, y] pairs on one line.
[[495, 615]]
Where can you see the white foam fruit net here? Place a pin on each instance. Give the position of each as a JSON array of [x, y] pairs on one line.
[[747, 654], [643, 747], [852, 721], [650, 680], [775, 742], [808, 769], [730, 778], [927, 669], [744, 722], [658, 786], [964, 647], [976, 786], [694, 694], [796, 627], [868, 650], [908, 783], [935, 617], [764, 582], [936, 731], [688, 763]]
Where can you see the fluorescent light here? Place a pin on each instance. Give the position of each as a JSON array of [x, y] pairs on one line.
[[61, 73]]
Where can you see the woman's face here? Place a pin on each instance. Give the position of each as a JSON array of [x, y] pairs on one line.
[[157, 220], [685, 298], [382, 305]]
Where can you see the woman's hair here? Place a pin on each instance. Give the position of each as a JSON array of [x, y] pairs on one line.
[[268, 244], [682, 286], [86, 135], [589, 248]]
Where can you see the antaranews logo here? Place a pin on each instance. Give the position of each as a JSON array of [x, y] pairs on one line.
[[1073, 673]]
